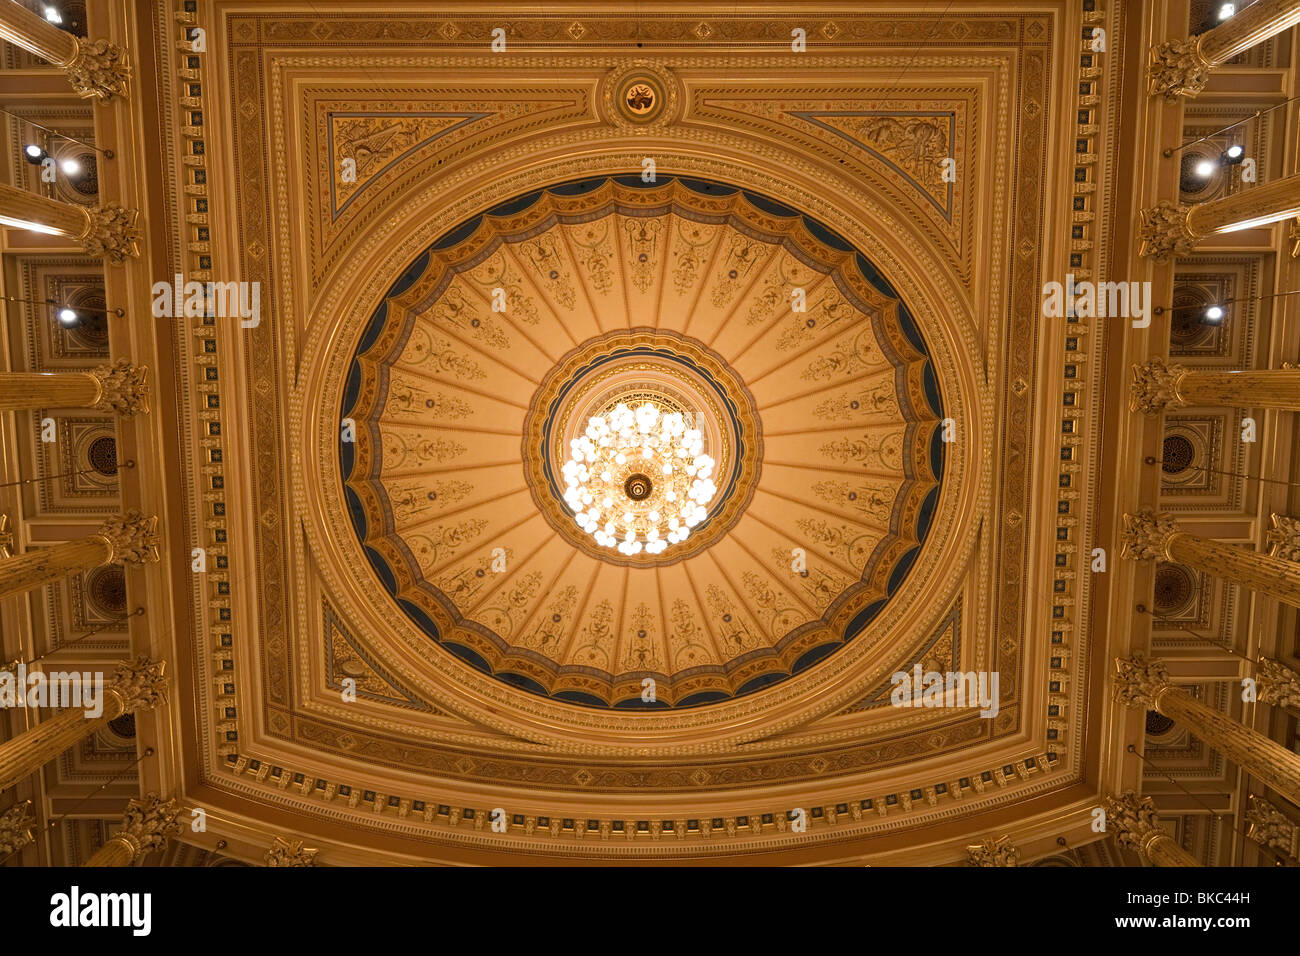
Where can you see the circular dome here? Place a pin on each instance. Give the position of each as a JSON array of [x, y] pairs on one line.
[[758, 348]]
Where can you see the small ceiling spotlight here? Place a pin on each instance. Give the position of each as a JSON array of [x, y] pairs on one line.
[[1213, 315], [53, 16], [1233, 155], [69, 318], [34, 154], [1227, 10], [70, 167], [1205, 169]]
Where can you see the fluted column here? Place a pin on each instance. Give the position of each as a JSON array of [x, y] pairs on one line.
[[1272, 828], [131, 538], [1146, 684], [999, 852], [1170, 229], [136, 685], [107, 231], [146, 826], [1158, 386], [95, 68], [1148, 536], [16, 828], [1182, 67], [290, 853], [1133, 821], [120, 387]]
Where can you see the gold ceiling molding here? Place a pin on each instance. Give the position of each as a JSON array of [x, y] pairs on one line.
[[298, 354]]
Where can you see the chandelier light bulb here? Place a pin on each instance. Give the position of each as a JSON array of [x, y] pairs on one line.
[[638, 478]]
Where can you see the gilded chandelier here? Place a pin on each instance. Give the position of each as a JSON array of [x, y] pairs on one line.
[[638, 478]]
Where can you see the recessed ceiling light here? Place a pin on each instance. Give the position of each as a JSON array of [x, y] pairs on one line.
[[68, 317], [1214, 314], [1227, 10], [1205, 169], [70, 166], [53, 15]]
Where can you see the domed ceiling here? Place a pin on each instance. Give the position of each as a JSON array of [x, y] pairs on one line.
[[786, 348], [617, 503]]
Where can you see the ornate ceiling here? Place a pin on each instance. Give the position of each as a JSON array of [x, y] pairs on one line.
[[405, 628]]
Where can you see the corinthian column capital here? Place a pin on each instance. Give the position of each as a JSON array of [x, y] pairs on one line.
[[1278, 684], [1284, 538], [1139, 682], [999, 852], [148, 823], [1134, 820], [1146, 535], [285, 853], [15, 827], [112, 233], [97, 69], [140, 684], [131, 537], [1155, 387], [123, 388], [1164, 232], [1177, 68], [1270, 827]]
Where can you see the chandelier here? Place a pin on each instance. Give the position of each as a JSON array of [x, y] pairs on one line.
[[638, 478]]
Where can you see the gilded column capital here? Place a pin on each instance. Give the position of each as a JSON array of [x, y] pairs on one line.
[[1177, 68], [1140, 682], [148, 823], [6, 538], [123, 388], [140, 684], [1284, 538], [132, 537], [97, 69], [1164, 232], [15, 827], [1134, 821], [1155, 387], [1270, 827], [285, 853], [1278, 684], [1146, 535], [111, 233], [999, 852]]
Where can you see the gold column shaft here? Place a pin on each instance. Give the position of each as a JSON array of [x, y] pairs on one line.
[[1163, 850], [20, 207], [1266, 388], [26, 753], [33, 33], [24, 390], [26, 571], [1273, 764], [1259, 572], [116, 852], [1256, 206], [1254, 24]]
